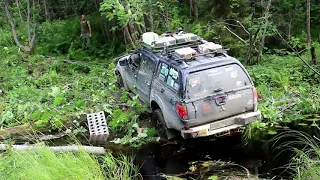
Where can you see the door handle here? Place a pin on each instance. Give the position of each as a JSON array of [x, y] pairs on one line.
[[162, 90]]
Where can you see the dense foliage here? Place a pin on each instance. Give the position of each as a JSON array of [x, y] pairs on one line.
[[46, 90]]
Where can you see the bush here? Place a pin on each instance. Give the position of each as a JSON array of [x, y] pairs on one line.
[[56, 37]]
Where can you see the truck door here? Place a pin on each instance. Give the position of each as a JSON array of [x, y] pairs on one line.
[[131, 75], [145, 76]]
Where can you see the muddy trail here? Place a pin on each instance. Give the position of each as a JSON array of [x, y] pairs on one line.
[[175, 158], [229, 156]]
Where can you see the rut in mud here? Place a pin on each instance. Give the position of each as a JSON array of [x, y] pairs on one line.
[[175, 158]]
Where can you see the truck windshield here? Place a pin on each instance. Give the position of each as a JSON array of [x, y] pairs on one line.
[[215, 80]]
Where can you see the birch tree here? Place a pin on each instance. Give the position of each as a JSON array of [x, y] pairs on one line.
[[31, 34], [309, 40]]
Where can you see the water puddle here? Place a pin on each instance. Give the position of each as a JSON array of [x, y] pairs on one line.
[[175, 158]]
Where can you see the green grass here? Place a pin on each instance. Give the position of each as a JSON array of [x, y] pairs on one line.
[[47, 165], [288, 92], [120, 168], [305, 162]]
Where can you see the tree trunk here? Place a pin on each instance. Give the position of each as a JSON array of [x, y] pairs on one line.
[[133, 32], [13, 27], [248, 59], [28, 21], [191, 8], [31, 41], [308, 24], [309, 40], [139, 29], [69, 148], [96, 5], [196, 9], [264, 31], [128, 37], [144, 25], [74, 8], [19, 11], [46, 12], [167, 17], [151, 16]]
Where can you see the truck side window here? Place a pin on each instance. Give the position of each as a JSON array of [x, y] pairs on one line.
[[147, 65], [169, 76]]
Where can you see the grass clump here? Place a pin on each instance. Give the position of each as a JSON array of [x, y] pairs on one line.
[[305, 161], [43, 163], [120, 168]]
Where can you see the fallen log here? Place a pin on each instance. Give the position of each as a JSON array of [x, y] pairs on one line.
[[36, 137], [25, 129], [70, 148]]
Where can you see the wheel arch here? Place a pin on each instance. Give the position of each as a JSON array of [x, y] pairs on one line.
[[154, 106], [118, 73]]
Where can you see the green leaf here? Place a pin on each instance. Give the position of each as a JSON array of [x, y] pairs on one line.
[[192, 168], [213, 178], [272, 132], [135, 125], [143, 135], [58, 100], [302, 124], [54, 91]]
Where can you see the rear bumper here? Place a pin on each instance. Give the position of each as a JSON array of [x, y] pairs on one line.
[[221, 126]]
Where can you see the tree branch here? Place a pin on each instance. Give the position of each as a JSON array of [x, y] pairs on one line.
[[235, 35], [28, 21], [13, 27]]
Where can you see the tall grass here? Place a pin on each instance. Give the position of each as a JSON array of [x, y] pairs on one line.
[[120, 168], [305, 162], [44, 164]]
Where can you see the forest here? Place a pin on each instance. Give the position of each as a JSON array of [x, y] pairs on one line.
[[50, 79]]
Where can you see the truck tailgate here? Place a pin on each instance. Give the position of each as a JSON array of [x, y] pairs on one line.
[[218, 93]]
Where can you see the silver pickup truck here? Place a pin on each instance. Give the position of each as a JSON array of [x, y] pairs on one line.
[[192, 86]]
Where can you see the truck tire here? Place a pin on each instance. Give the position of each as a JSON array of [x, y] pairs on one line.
[[158, 118]]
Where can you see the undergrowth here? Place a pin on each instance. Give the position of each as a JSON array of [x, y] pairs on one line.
[[288, 95], [54, 95], [43, 163]]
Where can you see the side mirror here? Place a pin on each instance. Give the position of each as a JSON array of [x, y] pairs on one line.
[[136, 59], [123, 62]]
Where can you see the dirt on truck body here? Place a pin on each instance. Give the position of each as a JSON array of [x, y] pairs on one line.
[[193, 86]]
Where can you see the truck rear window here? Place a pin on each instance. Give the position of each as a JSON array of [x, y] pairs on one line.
[[216, 80]]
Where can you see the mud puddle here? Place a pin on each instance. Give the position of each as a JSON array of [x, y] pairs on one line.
[[175, 158]]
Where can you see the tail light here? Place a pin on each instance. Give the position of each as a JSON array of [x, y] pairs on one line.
[[182, 111], [255, 95], [255, 99]]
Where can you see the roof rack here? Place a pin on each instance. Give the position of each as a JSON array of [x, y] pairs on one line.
[[181, 45]]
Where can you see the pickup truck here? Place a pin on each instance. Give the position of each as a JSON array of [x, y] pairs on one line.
[[193, 88]]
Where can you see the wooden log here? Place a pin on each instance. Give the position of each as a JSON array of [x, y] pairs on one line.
[[70, 148], [28, 128]]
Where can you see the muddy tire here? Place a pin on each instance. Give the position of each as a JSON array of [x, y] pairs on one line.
[[158, 118]]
